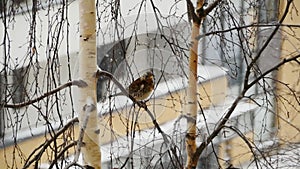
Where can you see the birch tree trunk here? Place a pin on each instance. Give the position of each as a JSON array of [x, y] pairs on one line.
[[191, 106], [87, 96]]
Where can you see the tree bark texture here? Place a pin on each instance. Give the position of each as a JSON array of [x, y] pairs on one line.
[[87, 106], [191, 102]]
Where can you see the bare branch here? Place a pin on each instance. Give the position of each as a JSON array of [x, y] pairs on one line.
[[79, 83], [211, 7], [244, 27], [284, 61], [191, 12]]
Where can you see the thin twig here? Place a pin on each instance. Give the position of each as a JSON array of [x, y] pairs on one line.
[[61, 153]]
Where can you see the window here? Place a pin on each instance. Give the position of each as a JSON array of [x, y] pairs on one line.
[[10, 5], [3, 83], [19, 83], [2, 99], [109, 58]]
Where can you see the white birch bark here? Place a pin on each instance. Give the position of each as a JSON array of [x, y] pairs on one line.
[[87, 96], [191, 102], [191, 107]]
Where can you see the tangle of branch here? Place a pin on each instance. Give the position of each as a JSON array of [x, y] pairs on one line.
[[41, 149]]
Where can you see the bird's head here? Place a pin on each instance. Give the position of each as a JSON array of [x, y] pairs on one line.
[[149, 76]]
